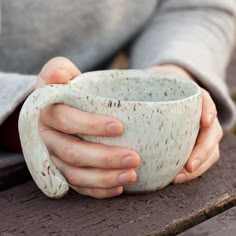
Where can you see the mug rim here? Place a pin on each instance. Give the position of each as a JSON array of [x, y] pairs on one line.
[[140, 74]]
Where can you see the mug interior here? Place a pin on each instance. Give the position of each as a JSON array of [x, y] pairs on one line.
[[137, 86]]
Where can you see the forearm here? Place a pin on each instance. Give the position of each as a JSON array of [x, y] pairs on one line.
[[14, 88], [197, 36]]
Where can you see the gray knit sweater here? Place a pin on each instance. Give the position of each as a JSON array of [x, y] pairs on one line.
[[195, 34]]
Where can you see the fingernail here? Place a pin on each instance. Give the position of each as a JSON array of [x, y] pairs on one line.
[[114, 128], [180, 178], [126, 178], [195, 164], [128, 162]]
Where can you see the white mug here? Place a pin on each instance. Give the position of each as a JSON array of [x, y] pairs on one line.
[[160, 113]]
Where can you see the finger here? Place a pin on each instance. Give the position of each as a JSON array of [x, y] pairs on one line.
[[209, 112], [94, 177], [185, 176], [80, 153], [99, 193], [58, 70], [73, 121], [207, 140]]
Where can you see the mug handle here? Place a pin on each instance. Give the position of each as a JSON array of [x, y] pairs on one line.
[[44, 172]]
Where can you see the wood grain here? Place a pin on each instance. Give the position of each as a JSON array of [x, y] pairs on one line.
[[220, 225], [26, 211]]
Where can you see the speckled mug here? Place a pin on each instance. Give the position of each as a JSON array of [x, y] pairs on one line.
[[160, 113]]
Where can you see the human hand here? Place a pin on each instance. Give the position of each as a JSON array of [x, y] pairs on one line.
[[206, 150], [91, 169]]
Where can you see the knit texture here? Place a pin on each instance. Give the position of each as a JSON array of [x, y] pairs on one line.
[[14, 88], [195, 34]]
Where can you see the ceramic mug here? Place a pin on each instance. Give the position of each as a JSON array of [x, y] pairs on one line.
[[160, 113]]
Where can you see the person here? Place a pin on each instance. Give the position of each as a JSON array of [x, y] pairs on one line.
[[192, 38]]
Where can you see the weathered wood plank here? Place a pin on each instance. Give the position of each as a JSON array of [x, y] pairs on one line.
[[223, 224], [26, 211]]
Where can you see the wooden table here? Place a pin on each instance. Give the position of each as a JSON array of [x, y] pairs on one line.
[[205, 206], [223, 224], [26, 211]]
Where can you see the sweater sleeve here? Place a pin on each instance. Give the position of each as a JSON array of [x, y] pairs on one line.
[[197, 35], [14, 88]]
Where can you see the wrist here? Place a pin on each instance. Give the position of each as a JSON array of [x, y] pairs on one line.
[[172, 68]]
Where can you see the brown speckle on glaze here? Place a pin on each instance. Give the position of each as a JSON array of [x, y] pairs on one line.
[[179, 147], [48, 170], [118, 104], [110, 104]]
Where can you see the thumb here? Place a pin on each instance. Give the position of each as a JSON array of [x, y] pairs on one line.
[[58, 70]]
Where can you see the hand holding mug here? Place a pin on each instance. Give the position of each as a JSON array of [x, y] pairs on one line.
[[95, 170], [165, 124], [206, 151]]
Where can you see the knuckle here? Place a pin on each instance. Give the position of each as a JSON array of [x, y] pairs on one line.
[[66, 152], [106, 180], [73, 158], [108, 161], [69, 155], [72, 177], [63, 124]]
